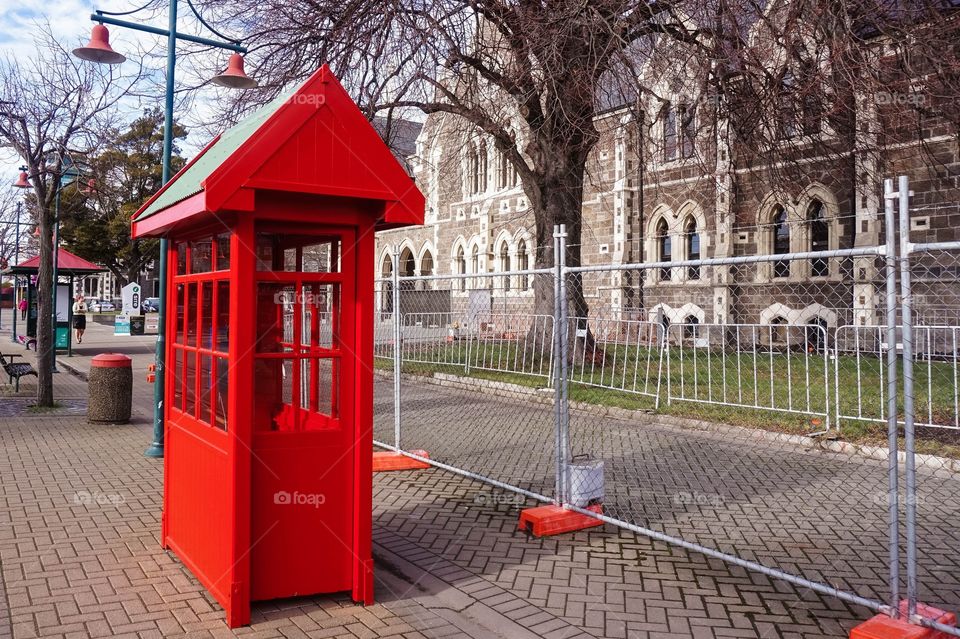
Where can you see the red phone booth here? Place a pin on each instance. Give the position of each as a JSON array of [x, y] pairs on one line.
[[268, 398]]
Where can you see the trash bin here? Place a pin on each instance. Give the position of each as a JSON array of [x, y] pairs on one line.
[[137, 324], [110, 388]]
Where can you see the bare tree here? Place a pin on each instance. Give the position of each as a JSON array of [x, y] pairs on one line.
[[528, 76], [54, 109], [779, 81], [9, 201]]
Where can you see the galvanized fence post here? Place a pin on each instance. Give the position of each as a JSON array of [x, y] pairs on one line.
[[892, 429], [910, 474], [564, 368], [397, 352], [557, 356]]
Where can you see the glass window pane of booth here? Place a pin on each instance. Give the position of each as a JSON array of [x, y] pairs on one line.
[[201, 255], [191, 315], [222, 396], [273, 394], [190, 391], [223, 252], [297, 253], [319, 380], [205, 403], [178, 379], [320, 324], [206, 315], [275, 317], [223, 316], [181, 258], [180, 310], [320, 255]]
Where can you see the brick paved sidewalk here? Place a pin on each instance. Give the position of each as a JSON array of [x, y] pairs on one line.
[[448, 563], [80, 556]]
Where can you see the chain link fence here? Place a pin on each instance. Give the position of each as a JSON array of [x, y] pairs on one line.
[[781, 411]]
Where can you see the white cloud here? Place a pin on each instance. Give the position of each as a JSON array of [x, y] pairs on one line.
[[70, 21]]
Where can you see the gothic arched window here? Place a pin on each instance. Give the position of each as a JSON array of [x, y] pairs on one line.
[[664, 248], [819, 232], [781, 242], [691, 236]]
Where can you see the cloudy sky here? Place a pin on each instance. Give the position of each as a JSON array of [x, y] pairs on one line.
[[68, 18], [70, 21]]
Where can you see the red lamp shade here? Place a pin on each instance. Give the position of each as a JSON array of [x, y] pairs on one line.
[[99, 49], [235, 77], [22, 182]]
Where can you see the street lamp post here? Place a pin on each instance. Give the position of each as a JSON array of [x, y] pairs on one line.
[[69, 175], [16, 278], [21, 183], [99, 50]]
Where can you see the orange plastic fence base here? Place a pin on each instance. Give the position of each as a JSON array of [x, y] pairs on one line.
[[388, 460], [543, 521], [883, 627]]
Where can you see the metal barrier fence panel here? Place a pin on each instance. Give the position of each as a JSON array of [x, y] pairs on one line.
[[384, 404], [516, 343], [759, 437], [623, 355], [930, 270], [766, 367], [860, 372], [475, 382], [729, 464]]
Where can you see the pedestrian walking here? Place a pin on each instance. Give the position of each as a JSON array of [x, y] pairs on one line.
[[80, 317]]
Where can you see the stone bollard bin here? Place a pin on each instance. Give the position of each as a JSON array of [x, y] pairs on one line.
[[110, 385]]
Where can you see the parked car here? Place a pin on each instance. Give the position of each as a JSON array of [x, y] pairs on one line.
[[100, 306], [151, 305]]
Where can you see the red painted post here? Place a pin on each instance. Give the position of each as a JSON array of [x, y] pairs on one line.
[[363, 501], [241, 410]]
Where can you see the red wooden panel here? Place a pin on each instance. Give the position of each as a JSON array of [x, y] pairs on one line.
[[198, 495], [302, 496]]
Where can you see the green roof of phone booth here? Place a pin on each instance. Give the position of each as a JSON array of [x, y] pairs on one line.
[[190, 179], [312, 139]]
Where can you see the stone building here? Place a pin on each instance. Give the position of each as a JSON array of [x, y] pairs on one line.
[[668, 182]]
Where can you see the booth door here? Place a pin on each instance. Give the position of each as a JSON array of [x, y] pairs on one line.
[[302, 467], [197, 519]]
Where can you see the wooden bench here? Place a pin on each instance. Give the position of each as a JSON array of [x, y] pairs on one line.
[[15, 370]]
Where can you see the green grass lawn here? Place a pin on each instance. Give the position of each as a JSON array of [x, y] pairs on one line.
[[704, 384]]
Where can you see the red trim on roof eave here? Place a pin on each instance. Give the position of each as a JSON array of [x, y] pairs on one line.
[[163, 188], [163, 220], [406, 212], [321, 189]]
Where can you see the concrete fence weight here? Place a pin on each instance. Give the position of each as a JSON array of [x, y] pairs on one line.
[[110, 385]]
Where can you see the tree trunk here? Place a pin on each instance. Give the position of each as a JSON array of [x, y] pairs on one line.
[[560, 201], [135, 263], [45, 342]]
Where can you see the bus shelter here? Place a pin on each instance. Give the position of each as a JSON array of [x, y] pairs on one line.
[[69, 268]]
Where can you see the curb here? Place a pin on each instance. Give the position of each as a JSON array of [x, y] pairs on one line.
[[73, 370]]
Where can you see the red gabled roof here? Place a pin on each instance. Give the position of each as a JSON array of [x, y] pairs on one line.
[[66, 262], [313, 141]]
